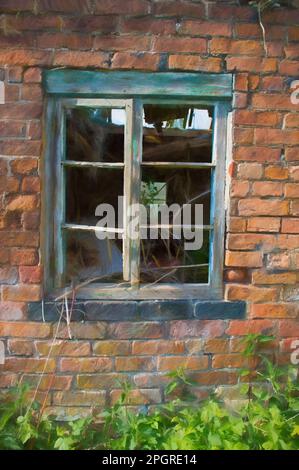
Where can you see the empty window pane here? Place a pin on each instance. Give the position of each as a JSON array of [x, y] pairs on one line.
[[177, 133], [95, 135], [91, 259]]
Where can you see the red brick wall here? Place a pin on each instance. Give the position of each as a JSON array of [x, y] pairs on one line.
[[262, 242]]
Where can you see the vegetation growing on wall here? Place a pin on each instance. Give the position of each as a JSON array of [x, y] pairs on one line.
[[265, 417]]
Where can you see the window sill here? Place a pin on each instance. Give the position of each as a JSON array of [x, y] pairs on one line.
[[148, 310]]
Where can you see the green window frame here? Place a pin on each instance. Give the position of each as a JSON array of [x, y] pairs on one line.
[[129, 90]]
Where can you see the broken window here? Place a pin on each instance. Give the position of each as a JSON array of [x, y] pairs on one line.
[[161, 155]]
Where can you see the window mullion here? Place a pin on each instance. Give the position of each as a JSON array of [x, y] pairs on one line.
[[133, 152], [59, 213]]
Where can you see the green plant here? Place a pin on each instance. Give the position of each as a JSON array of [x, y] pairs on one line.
[[266, 419]]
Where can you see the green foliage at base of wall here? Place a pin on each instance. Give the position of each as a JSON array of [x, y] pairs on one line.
[[266, 418]]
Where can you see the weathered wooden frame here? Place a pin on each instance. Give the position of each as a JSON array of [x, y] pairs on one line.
[[129, 90]]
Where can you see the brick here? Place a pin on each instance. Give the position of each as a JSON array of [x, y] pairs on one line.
[[256, 118], [34, 130], [287, 241], [17, 238], [276, 136], [241, 82], [26, 57], [246, 327], [79, 398], [289, 68], [88, 23], [272, 101], [194, 346], [137, 396], [65, 6], [251, 293], [137, 330], [257, 153], [269, 311], [30, 220], [25, 329], [293, 33], [294, 210], [11, 311], [21, 293], [24, 257], [205, 28], [112, 348], [94, 330], [49, 382], [63, 348], [118, 7], [24, 166], [196, 63], [188, 363], [64, 41], [288, 328], [290, 225], [250, 170], [251, 241], [147, 25], [8, 380], [33, 75], [281, 278], [263, 224], [80, 59], [229, 361], [267, 188], [272, 83], [171, 44], [243, 136], [250, 259], [157, 347], [4, 256], [230, 12], [216, 346], [22, 110], [175, 7], [88, 364], [236, 224], [31, 92], [196, 328], [134, 363], [29, 364], [19, 347], [253, 82], [22, 148], [276, 172], [235, 47], [292, 154], [292, 120], [256, 206], [15, 6], [8, 275], [101, 381], [135, 61], [214, 377], [9, 184], [292, 190], [235, 275], [12, 128], [253, 30], [121, 43], [294, 173], [239, 188], [251, 64], [31, 184]]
